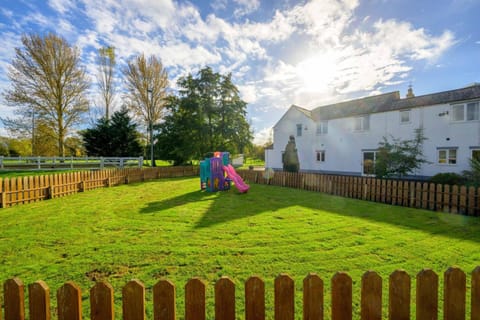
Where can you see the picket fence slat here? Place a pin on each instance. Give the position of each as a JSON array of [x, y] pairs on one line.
[[101, 301], [254, 299], [195, 300], [225, 299], [284, 298], [371, 296], [399, 296], [133, 298], [39, 301], [341, 296], [427, 295], [454, 294], [69, 300], [14, 299], [475, 294], [164, 304], [312, 297]]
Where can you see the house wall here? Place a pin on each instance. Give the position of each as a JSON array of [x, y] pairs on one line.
[[343, 146]]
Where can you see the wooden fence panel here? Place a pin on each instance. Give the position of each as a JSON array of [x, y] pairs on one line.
[[164, 305], [13, 191], [475, 294], [399, 296], [441, 195], [254, 299], [284, 298], [413, 195], [406, 194], [427, 295], [454, 294], [101, 302], [133, 301], [14, 299], [394, 192], [39, 301], [312, 297], [371, 296], [69, 301], [341, 296], [224, 299], [195, 300], [425, 195], [19, 190]]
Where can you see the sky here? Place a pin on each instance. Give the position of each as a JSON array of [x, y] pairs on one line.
[[279, 52]]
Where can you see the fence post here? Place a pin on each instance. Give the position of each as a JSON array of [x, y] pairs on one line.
[[312, 297], [1, 162], [254, 299], [13, 300], [102, 163], [224, 299], [39, 301], [164, 301], [133, 301], [69, 300], [101, 301]]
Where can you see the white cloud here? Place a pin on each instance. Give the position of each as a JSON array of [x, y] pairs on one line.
[[245, 7], [248, 93], [263, 136], [62, 6]]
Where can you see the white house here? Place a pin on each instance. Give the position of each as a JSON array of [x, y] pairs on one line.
[[342, 138]]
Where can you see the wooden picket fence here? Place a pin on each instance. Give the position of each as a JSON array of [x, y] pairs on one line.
[[427, 306], [438, 197], [36, 188]]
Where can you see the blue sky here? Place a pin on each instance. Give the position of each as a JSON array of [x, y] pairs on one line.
[[280, 53]]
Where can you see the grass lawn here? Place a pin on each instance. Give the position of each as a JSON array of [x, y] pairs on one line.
[[170, 229]]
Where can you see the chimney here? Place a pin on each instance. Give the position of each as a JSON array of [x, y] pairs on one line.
[[410, 92]]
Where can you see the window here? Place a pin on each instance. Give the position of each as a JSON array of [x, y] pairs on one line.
[[361, 123], [447, 156], [466, 111], [320, 154], [476, 154], [405, 116], [322, 127], [299, 130], [369, 159]]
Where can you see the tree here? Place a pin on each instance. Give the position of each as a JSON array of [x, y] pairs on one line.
[[106, 64], [46, 78], [147, 81], [397, 158], [207, 115], [117, 137]]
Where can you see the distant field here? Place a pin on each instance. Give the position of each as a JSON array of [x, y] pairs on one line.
[[170, 229]]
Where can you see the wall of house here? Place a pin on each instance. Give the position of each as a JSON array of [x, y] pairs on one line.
[[344, 147]]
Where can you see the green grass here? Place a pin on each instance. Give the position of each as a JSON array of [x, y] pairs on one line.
[[170, 229]]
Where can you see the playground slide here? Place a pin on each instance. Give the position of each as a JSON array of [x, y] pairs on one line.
[[239, 183]]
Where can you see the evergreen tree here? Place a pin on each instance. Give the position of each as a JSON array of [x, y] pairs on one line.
[[117, 137]]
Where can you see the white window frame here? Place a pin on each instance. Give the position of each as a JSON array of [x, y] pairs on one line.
[[322, 127], [361, 123], [469, 111], [299, 129], [408, 113], [450, 158], [320, 156]]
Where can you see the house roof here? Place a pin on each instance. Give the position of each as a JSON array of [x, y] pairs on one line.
[[306, 112], [391, 101]]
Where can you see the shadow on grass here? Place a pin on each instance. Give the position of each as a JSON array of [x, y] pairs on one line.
[[231, 205]]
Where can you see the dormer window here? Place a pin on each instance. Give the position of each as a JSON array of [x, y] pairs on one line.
[[361, 123]]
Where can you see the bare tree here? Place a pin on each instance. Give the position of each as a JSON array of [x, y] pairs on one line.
[[147, 82], [46, 75], [106, 64]]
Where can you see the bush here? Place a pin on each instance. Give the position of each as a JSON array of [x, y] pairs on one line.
[[450, 178]]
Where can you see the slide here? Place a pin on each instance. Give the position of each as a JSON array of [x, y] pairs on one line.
[[237, 180]]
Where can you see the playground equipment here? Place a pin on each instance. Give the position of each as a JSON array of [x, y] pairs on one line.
[[217, 174]]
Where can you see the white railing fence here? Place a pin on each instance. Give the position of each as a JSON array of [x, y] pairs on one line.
[[55, 163]]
